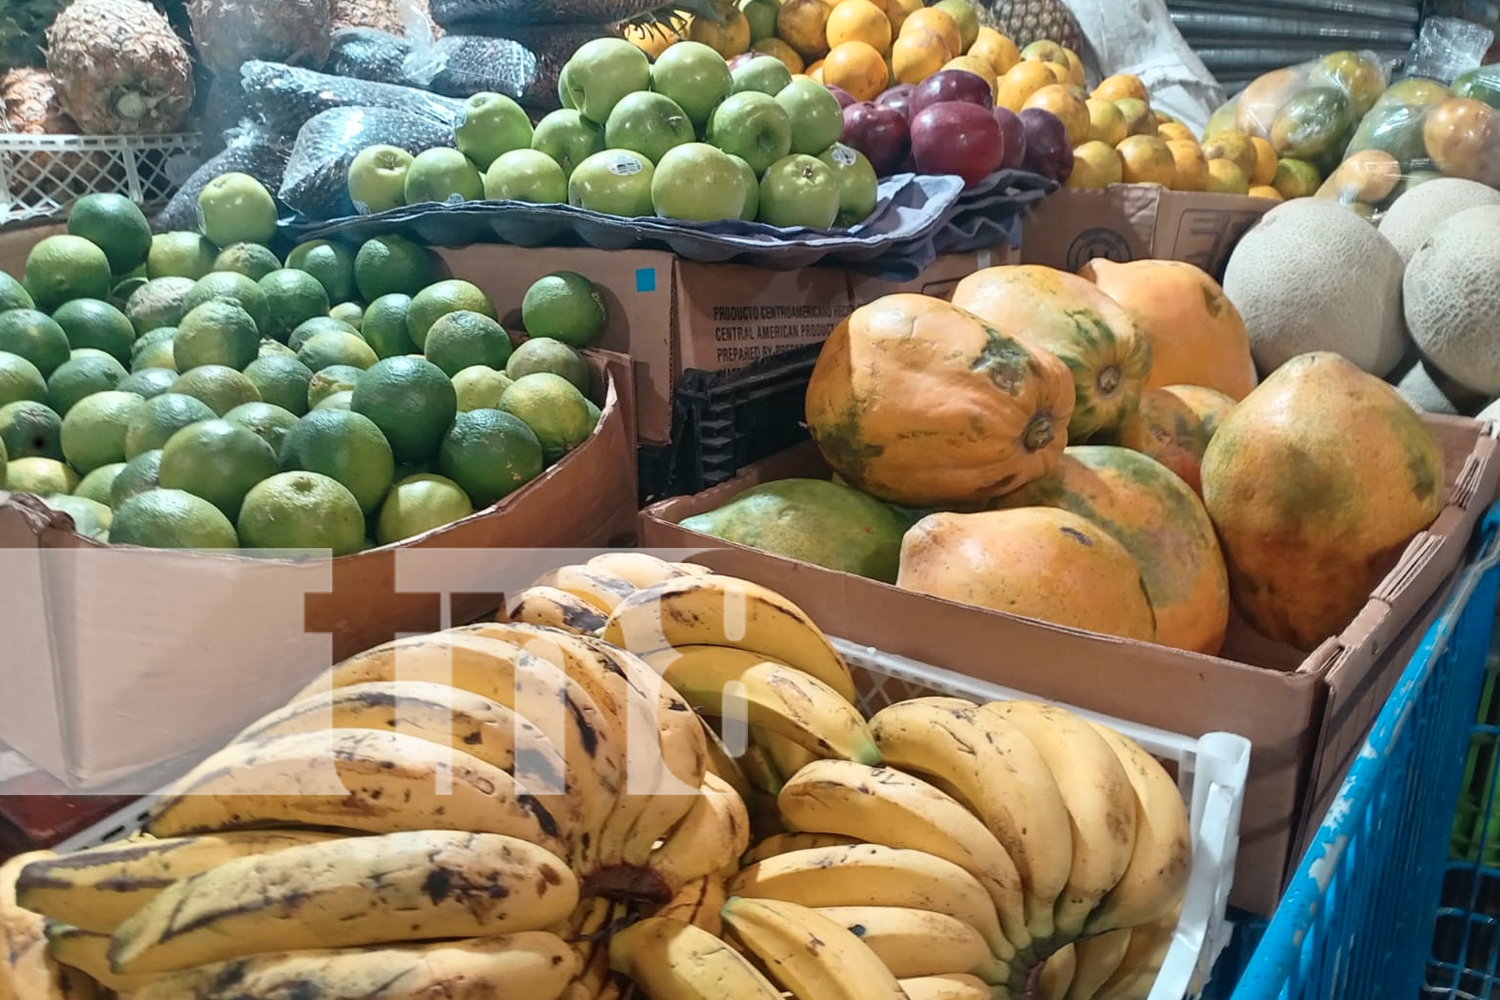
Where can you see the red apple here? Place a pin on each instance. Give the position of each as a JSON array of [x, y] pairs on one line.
[[898, 97], [1047, 149], [949, 85], [880, 132], [841, 95], [743, 58], [1012, 138], [955, 137]]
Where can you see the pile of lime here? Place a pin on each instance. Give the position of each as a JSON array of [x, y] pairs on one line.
[[177, 391]]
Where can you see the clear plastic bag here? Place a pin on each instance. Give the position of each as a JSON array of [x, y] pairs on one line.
[[453, 14], [316, 182], [285, 98], [524, 69], [368, 54], [250, 150]]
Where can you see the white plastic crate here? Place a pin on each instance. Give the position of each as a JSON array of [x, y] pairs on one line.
[[41, 175], [1211, 773]]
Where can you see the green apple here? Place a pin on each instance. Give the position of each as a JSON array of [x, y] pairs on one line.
[[765, 74], [237, 208], [489, 126], [693, 75], [698, 183], [647, 123], [762, 16], [752, 189], [603, 71], [526, 175], [564, 95], [615, 182], [799, 190], [753, 127], [377, 178], [442, 175], [858, 186], [567, 137], [817, 117]]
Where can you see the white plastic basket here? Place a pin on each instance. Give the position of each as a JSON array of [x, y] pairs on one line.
[[1211, 773], [41, 175]]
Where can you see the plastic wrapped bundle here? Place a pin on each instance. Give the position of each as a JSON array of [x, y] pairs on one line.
[[250, 150], [225, 109], [525, 70], [451, 13], [285, 98], [316, 183], [368, 54]]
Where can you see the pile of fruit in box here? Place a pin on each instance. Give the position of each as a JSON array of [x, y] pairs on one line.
[[617, 822]]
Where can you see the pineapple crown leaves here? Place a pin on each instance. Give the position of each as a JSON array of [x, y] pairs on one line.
[[23, 24], [662, 20]]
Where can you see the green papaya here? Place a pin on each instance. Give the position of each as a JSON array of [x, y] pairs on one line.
[[1481, 84], [1313, 122], [1392, 128]]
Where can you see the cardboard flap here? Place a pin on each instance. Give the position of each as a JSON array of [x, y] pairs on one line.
[[30, 699]]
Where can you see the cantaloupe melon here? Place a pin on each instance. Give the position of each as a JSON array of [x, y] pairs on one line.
[[1452, 307], [1313, 276], [1430, 391], [1414, 215]]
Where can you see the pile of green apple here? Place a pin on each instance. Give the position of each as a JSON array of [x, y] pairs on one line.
[[686, 138]]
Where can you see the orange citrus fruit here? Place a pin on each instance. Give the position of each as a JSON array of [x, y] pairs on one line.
[[1174, 131], [1113, 88], [1075, 67], [1148, 160], [815, 71], [1068, 107], [1235, 147], [1045, 50], [803, 24], [940, 21], [1106, 122], [1225, 177], [1096, 165], [1060, 73], [730, 37], [1023, 80], [859, 21], [1265, 163], [916, 55], [781, 50], [1266, 191], [996, 49], [1192, 165], [856, 67], [897, 11]]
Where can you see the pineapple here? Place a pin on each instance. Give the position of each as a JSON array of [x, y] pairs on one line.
[[119, 68], [382, 15], [230, 33], [32, 108], [1027, 21]]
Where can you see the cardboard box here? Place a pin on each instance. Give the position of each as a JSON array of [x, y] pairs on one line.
[[1304, 715], [117, 658], [1128, 222]]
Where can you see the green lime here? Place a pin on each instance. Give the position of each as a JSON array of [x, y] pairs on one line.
[[152, 337], [60, 268], [275, 349], [97, 324], [36, 337], [349, 312], [294, 297], [31, 429], [384, 326], [387, 265], [479, 388], [138, 476], [158, 303], [13, 294], [218, 332], [411, 401], [97, 484], [553, 408], [218, 461], [159, 354], [123, 290], [79, 377], [230, 286], [4, 462], [334, 378], [221, 387], [41, 476], [20, 379], [345, 446], [419, 504], [302, 510], [116, 225], [180, 255], [171, 519], [336, 348], [439, 300], [93, 432], [331, 263], [490, 455], [250, 259], [565, 306], [318, 324], [341, 400], [282, 381], [237, 208], [543, 354], [160, 418], [269, 421], [148, 382], [90, 518], [461, 339]]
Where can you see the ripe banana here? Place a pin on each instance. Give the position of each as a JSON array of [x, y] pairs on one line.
[[89, 954], [601, 588], [527, 965], [590, 927], [1057, 974], [810, 955], [1149, 944], [787, 756], [555, 609], [1096, 959], [1100, 801], [27, 971], [97, 889], [640, 569], [721, 681], [785, 843], [674, 960], [759, 771], [1157, 875], [873, 875], [914, 942], [726, 611], [693, 569], [886, 806], [722, 763], [951, 986], [992, 768], [359, 891], [355, 779], [697, 903], [714, 833]]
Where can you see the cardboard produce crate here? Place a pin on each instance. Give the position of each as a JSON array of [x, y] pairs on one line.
[[1304, 715], [116, 659]]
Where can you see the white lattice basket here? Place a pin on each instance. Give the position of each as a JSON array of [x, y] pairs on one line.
[[41, 175]]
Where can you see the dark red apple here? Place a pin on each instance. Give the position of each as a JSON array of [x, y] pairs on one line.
[[1047, 149], [898, 97], [841, 95], [743, 58], [950, 85], [1012, 138], [955, 137], [880, 132]]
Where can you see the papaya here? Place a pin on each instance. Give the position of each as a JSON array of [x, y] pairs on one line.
[[923, 404], [1036, 562], [1317, 121], [1395, 128], [1361, 77], [1482, 83], [1162, 524], [1068, 316], [1316, 483], [1197, 335], [1174, 425], [1260, 101]]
